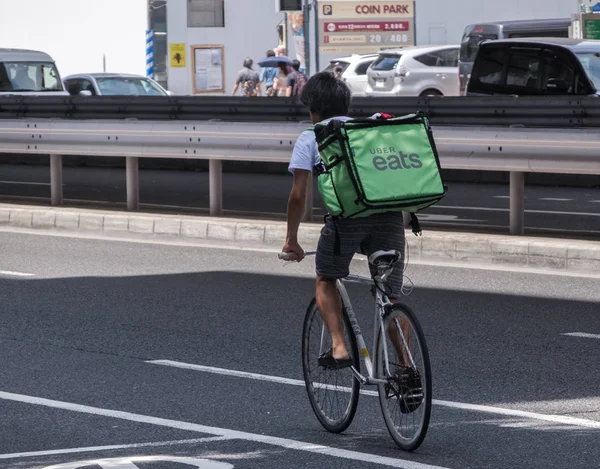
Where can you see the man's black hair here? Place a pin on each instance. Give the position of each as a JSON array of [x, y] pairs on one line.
[[296, 64], [270, 53], [326, 96]]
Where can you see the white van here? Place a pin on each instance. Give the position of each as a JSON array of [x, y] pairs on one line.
[[29, 72]]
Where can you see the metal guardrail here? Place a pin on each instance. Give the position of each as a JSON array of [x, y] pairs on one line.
[[565, 112], [516, 150]]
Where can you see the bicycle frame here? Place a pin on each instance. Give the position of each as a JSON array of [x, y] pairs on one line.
[[381, 301]]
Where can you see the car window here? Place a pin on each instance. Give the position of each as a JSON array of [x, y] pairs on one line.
[[470, 45], [523, 68], [489, 66], [29, 76], [385, 63], [361, 69], [558, 75], [76, 85], [442, 58], [590, 62], [126, 86]]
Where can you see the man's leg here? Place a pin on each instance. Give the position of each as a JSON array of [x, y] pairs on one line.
[[330, 306], [336, 248]]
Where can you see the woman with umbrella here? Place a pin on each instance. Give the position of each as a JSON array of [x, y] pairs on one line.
[[282, 63]]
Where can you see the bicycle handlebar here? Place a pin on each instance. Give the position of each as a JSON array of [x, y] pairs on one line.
[[290, 256]]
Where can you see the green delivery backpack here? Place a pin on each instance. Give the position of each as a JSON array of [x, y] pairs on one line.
[[378, 165]]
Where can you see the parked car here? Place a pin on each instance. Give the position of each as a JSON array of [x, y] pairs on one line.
[[29, 72], [415, 71], [536, 66], [354, 71], [113, 84]]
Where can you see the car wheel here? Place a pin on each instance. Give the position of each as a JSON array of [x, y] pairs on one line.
[[430, 93]]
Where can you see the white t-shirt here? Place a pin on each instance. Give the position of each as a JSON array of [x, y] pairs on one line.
[[306, 153]]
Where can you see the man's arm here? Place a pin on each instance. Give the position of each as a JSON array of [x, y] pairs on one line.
[[295, 211]]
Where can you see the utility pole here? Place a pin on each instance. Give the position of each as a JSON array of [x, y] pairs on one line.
[[306, 28]]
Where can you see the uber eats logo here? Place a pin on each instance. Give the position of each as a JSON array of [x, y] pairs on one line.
[[394, 160]]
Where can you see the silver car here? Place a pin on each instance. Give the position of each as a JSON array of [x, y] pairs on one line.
[[415, 71], [112, 84], [354, 71]]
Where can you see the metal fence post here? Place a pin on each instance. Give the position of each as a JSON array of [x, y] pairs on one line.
[[215, 174], [517, 203], [133, 182], [56, 179]]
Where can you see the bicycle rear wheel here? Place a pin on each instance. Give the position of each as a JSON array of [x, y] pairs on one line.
[[406, 398], [333, 394]]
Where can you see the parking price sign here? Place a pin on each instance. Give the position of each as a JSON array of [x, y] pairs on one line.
[[347, 27]]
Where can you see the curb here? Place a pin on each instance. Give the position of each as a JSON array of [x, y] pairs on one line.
[[574, 256]]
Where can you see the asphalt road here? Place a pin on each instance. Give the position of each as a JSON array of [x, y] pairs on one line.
[[484, 207], [84, 320]]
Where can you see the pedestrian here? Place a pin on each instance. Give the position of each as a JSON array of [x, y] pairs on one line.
[[267, 76], [281, 80], [296, 80], [248, 79], [338, 71]]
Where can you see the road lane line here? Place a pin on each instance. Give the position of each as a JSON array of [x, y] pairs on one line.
[[232, 434], [555, 199], [559, 419], [91, 449], [26, 183], [490, 209], [15, 274], [582, 334]]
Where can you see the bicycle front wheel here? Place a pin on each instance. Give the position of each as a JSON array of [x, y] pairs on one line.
[[402, 360], [333, 394]]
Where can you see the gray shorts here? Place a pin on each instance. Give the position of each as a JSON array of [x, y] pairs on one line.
[[367, 235]]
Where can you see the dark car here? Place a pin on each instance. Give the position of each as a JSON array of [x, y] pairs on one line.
[[536, 66]]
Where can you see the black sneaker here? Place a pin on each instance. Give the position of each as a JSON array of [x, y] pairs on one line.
[[326, 360]]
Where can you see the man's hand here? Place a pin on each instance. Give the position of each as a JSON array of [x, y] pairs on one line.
[[295, 249]]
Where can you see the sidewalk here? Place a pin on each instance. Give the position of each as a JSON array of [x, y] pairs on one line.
[[561, 255]]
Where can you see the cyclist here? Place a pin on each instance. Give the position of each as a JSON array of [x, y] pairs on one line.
[[326, 98]]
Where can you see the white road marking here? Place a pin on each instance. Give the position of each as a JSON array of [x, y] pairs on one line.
[[583, 334], [233, 434], [559, 419], [128, 463], [555, 199], [548, 212], [15, 274], [595, 201], [91, 449], [22, 183]]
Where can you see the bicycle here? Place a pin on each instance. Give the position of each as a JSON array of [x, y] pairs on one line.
[[408, 385]]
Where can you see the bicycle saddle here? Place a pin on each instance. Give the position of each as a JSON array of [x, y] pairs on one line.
[[384, 257]]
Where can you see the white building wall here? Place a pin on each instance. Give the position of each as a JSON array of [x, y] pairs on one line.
[[250, 29], [78, 33]]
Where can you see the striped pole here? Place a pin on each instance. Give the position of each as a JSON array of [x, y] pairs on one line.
[[150, 53]]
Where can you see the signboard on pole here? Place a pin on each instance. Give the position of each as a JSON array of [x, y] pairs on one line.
[[348, 27]]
